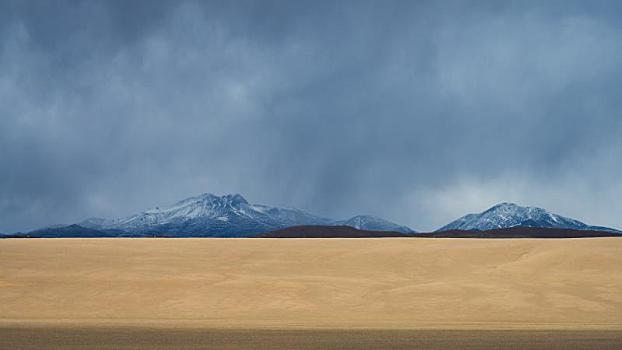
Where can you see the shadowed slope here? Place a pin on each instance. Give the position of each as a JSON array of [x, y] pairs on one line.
[[329, 232]]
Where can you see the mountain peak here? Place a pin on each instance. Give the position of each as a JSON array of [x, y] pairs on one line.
[[363, 217], [235, 199], [505, 205]]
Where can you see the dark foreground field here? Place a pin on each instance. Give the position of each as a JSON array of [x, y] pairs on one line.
[[27, 338]]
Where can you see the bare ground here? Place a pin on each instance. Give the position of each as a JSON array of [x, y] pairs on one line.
[[311, 293]]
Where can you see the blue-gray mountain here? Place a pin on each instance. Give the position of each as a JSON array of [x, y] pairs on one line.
[[507, 215], [372, 223], [208, 215]]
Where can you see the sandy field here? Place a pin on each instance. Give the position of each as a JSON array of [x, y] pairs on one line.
[[353, 286]]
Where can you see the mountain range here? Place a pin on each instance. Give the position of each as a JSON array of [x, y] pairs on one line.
[[231, 215], [208, 215]]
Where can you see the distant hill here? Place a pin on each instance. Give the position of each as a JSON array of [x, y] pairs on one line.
[[329, 232], [372, 223]]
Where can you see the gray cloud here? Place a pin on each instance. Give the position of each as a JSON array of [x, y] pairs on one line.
[[417, 112]]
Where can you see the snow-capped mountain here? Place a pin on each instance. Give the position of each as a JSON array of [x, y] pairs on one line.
[[507, 215], [372, 223], [224, 216], [209, 215]]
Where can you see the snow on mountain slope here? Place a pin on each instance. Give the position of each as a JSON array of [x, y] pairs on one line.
[[209, 215], [372, 223], [229, 216], [506, 215]]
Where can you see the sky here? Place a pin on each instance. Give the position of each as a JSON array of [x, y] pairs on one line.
[[418, 112]]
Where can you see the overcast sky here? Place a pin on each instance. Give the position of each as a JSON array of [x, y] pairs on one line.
[[418, 112]]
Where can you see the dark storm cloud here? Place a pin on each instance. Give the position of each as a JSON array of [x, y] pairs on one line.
[[414, 111]]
